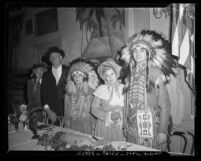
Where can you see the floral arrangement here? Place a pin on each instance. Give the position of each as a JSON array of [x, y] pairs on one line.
[[20, 118]]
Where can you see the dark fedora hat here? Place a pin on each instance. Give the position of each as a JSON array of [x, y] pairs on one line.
[[54, 49], [39, 65]]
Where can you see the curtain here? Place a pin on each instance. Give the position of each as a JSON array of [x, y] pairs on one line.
[[183, 45]]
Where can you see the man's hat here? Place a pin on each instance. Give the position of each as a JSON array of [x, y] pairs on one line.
[[54, 49]]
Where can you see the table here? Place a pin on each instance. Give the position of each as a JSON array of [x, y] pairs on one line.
[[21, 141]]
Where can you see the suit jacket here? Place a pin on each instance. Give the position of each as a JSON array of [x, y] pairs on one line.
[[53, 94], [34, 99]]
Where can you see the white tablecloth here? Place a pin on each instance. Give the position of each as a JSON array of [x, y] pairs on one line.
[[18, 141]]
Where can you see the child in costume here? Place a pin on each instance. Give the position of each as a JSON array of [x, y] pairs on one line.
[[82, 80], [108, 103]]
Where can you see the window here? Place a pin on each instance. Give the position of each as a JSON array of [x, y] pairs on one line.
[[28, 27], [46, 22]]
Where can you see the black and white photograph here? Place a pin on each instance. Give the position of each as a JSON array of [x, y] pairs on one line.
[[101, 80]]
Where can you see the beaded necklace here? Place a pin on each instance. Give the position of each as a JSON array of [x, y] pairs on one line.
[[139, 116], [77, 104]]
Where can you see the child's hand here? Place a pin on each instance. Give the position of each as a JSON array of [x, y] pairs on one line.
[[162, 138], [23, 118], [115, 116]]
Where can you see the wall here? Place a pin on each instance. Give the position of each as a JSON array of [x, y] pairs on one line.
[[137, 19], [68, 37], [160, 25], [143, 18]]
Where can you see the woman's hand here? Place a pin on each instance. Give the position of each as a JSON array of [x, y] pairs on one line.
[[115, 116], [162, 138], [52, 115], [23, 117]]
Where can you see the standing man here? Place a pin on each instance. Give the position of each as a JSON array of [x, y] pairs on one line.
[[34, 85], [53, 84], [147, 113]]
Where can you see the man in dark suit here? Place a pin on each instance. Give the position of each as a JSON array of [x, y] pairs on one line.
[[53, 84]]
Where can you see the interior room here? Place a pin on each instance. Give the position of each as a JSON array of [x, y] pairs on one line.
[[96, 34]]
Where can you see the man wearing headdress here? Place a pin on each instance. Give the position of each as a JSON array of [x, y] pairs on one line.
[[53, 84], [82, 80], [147, 112]]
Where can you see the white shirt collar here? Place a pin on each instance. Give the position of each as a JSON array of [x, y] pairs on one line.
[[57, 69], [57, 73]]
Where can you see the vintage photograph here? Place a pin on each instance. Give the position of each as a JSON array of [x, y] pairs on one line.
[[101, 80]]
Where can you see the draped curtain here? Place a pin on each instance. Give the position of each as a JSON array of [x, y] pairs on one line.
[[183, 33], [183, 47]]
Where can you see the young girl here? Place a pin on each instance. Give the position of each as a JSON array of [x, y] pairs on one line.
[[108, 103]]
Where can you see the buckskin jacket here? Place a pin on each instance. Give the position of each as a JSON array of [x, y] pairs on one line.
[[159, 104]]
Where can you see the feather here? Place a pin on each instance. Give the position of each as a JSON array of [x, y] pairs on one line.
[[158, 48], [87, 68]]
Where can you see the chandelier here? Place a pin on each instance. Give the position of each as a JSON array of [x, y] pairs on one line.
[[158, 12]]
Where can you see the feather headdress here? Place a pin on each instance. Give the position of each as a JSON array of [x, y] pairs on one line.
[[86, 68], [158, 48]]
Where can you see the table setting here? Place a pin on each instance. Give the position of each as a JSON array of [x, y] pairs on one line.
[[42, 136], [55, 138]]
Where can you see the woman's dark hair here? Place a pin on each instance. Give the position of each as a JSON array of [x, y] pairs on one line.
[[124, 73]]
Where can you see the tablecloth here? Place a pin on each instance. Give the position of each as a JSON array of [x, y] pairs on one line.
[[22, 141]]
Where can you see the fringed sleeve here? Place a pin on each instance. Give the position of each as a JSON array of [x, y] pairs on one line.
[[164, 103], [159, 80]]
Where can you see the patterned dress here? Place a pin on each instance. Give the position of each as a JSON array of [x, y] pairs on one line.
[[77, 112], [107, 100]]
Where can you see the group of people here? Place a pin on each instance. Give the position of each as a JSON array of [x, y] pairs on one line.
[[123, 99]]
